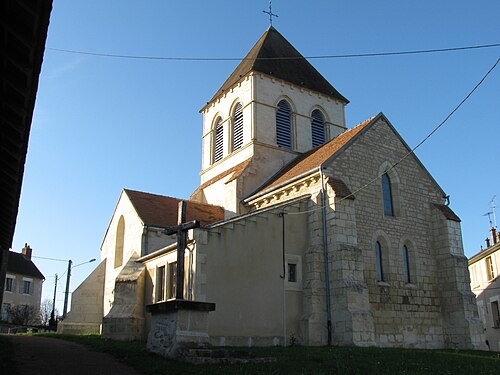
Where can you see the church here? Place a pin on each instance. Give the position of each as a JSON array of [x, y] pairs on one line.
[[302, 230]]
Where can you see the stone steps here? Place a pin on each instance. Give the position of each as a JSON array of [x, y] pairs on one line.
[[220, 356]]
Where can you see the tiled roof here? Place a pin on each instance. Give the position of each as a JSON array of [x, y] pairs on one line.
[[161, 210], [316, 157], [341, 189], [237, 170], [17, 263], [264, 58], [447, 212]]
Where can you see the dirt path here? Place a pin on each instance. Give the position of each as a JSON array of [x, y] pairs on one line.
[[43, 356]]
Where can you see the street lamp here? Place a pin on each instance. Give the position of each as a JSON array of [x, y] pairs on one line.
[[70, 266]]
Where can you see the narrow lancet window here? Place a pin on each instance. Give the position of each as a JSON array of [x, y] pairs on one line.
[[406, 265], [120, 240], [387, 195], [238, 127], [284, 125], [378, 262], [219, 141], [317, 128]]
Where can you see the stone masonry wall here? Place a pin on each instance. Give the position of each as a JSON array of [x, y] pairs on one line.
[[404, 314]]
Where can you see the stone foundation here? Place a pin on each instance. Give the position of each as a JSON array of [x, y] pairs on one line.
[[178, 324]]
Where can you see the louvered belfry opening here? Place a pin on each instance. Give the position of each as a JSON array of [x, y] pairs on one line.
[[317, 128], [238, 127], [219, 141], [284, 125]]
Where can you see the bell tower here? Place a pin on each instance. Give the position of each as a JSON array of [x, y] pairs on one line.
[[273, 107]]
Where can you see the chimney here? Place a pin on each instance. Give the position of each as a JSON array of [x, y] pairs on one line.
[[487, 240], [493, 234], [27, 251], [498, 237]]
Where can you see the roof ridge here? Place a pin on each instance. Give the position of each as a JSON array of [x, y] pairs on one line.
[[324, 152]]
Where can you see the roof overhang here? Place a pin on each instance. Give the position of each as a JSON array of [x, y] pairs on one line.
[[23, 31]]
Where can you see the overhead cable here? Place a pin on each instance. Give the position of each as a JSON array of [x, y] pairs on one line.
[[352, 55]]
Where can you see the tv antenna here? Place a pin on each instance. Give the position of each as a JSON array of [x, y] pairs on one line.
[[493, 213]]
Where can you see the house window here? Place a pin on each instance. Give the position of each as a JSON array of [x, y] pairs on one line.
[[238, 127], [9, 284], [495, 314], [284, 125], [387, 195], [120, 240], [5, 311], [292, 272], [406, 265], [172, 280], [490, 273], [317, 128], [219, 141], [26, 287], [378, 262], [160, 284]]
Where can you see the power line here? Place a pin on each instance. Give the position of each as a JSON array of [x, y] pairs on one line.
[[412, 151], [59, 260], [352, 55]]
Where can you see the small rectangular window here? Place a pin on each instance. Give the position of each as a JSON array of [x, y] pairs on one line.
[[292, 272], [172, 280], [490, 273], [9, 284], [160, 283], [5, 311], [495, 314], [26, 287]]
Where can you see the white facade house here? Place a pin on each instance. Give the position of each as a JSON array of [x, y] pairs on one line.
[[484, 269]]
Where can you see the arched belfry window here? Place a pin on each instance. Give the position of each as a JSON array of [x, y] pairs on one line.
[[406, 265], [219, 140], [284, 125], [317, 128], [120, 239], [378, 262], [238, 127], [387, 195]]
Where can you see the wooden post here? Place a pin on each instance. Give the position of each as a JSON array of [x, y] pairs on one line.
[[181, 231]]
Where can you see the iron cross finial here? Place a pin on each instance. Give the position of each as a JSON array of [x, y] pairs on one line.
[[270, 12]]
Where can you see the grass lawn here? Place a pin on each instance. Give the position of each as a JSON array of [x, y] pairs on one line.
[[6, 351], [306, 360]]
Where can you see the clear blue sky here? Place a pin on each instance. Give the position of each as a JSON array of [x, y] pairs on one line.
[[101, 124]]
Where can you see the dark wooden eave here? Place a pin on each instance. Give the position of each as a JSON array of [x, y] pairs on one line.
[[23, 32]]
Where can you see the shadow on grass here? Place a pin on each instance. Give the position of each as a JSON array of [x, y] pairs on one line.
[[307, 360]]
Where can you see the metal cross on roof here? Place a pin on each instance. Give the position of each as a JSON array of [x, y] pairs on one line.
[[270, 12]]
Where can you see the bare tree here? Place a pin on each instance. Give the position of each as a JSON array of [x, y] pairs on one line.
[[46, 311], [24, 315]]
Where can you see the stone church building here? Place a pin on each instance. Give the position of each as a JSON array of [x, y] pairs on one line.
[[307, 232]]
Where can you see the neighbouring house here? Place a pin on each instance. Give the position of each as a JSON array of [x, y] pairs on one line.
[[301, 230], [23, 289], [484, 270]]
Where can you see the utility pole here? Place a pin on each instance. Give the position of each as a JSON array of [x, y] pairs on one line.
[[52, 321], [70, 262]]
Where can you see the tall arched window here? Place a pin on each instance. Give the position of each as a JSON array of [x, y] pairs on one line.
[[120, 239], [378, 262], [219, 140], [317, 128], [406, 265], [284, 125], [237, 127], [387, 195]]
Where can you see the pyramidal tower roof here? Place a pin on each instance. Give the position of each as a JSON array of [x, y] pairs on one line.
[[266, 57]]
